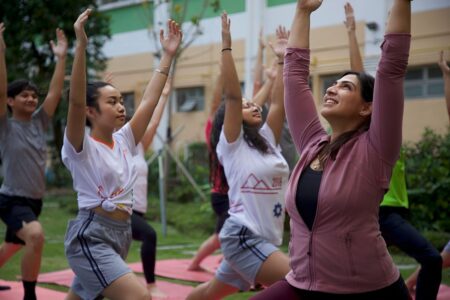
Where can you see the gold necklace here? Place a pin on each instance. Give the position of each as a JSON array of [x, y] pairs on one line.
[[316, 165]]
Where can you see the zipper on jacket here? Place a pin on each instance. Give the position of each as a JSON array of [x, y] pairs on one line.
[[348, 245], [309, 253]]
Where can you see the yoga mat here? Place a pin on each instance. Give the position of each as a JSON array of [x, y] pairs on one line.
[[177, 268], [64, 278], [16, 292]]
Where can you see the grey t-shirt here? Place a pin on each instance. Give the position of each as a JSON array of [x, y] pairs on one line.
[[23, 151]]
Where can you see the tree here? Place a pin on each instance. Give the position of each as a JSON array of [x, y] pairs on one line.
[[30, 25], [179, 11]]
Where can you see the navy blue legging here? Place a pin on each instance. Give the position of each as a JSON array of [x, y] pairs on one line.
[[142, 231], [397, 231]]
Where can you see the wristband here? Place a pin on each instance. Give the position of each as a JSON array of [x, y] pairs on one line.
[[162, 72]]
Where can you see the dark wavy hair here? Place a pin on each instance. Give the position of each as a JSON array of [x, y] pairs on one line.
[[367, 83], [18, 86], [251, 136]]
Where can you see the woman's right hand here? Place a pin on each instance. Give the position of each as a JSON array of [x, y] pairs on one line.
[[79, 28], [226, 35], [309, 5]]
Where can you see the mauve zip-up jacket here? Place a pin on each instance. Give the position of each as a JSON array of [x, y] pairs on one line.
[[345, 252]]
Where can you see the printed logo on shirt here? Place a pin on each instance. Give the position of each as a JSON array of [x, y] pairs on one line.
[[277, 210], [254, 185]]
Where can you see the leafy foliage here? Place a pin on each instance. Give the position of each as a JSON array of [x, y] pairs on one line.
[[179, 188], [428, 180], [31, 24]]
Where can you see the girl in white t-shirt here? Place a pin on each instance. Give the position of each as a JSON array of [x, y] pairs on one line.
[[103, 173], [257, 176]]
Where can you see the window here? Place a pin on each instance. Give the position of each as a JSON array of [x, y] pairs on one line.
[[128, 102], [423, 82], [190, 99]]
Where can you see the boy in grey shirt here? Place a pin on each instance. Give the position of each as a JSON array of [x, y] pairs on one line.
[[23, 153]]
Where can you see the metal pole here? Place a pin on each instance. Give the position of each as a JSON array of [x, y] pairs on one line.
[[162, 193]]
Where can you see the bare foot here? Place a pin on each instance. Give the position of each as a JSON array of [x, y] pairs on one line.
[[155, 292]]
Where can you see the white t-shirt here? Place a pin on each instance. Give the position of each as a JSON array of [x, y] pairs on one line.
[[257, 184], [101, 175], [140, 186]]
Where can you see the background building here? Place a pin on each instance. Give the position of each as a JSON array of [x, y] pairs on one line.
[[131, 59]]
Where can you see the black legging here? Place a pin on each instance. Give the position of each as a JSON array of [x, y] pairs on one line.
[[397, 231], [142, 231]]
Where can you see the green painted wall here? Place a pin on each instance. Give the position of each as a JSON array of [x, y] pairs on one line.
[[195, 7], [131, 18], [279, 2], [140, 16]]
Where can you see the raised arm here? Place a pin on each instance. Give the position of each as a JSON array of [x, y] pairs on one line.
[[275, 118], [446, 74], [217, 95], [3, 76], [76, 117], [154, 88], [259, 69], [150, 133], [356, 62], [299, 37], [399, 20], [301, 111], [263, 94], [232, 89], [57, 83], [387, 109]]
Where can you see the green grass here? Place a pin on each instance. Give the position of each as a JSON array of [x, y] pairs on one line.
[[189, 225]]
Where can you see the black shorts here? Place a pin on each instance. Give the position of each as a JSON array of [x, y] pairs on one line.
[[220, 205], [14, 210]]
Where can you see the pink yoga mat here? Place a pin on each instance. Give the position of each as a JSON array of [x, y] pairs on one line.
[[16, 292], [177, 269], [64, 278]]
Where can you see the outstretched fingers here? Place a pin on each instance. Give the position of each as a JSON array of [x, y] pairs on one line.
[[60, 48], [79, 26], [226, 35], [348, 10], [226, 22], [172, 41], [282, 33]]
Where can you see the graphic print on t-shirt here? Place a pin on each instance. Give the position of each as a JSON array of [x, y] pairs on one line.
[[277, 210], [254, 185]]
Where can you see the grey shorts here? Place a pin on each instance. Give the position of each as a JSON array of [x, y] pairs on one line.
[[244, 253], [96, 247]]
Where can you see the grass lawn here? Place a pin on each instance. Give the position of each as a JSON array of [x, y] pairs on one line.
[[58, 209]]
